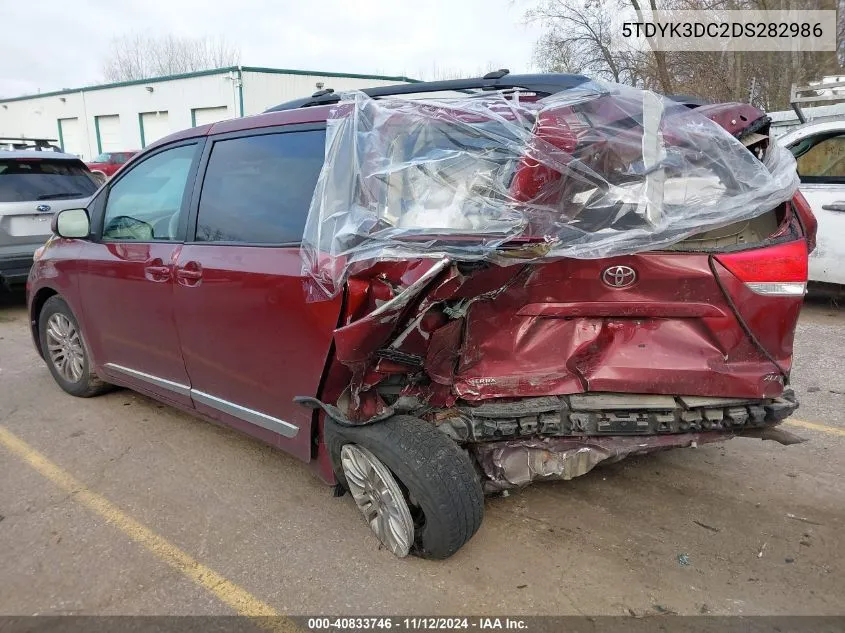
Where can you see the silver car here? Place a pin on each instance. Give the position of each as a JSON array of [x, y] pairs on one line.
[[34, 186]]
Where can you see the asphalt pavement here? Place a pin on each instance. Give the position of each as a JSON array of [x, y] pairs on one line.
[[121, 505]]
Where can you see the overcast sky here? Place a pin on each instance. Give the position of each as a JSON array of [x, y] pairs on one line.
[[55, 44]]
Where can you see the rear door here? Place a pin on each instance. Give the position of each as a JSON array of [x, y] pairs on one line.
[[203, 116], [71, 136], [154, 125], [250, 341], [127, 282], [107, 129], [821, 167]]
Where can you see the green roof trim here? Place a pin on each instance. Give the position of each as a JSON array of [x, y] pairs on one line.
[[292, 71], [205, 73]]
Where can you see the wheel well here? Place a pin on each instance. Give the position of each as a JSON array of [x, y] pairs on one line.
[[38, 302]]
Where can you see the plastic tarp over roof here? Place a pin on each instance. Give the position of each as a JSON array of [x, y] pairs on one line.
[[596, 171]]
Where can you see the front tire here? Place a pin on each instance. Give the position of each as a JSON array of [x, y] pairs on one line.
[[439, 487], [65, 351]]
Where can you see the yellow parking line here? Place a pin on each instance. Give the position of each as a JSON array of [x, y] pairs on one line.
[[236, 597], [815, 426]]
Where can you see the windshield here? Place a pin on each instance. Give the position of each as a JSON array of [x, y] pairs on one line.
[[102, 158], [38, 179]]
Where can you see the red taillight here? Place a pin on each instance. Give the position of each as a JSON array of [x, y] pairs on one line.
[[808, 220], [532, 179], [775, 270]]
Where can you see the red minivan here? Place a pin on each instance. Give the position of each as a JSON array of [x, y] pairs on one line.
[[424, 383]]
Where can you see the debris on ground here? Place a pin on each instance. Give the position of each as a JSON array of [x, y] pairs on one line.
[[760, 553], [683, 560], [707, 527], [789, 515]]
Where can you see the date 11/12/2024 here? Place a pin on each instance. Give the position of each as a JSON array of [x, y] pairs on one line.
[[417, 623]]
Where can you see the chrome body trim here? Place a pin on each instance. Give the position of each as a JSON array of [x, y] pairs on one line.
[[285, 429], [176, 387]]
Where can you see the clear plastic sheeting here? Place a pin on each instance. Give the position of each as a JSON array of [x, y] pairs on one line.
[[595, 171]]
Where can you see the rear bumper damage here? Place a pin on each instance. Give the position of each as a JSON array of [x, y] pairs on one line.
[[580, 435], [500, 274]]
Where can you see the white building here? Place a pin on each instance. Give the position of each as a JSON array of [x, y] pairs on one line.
[[132, 114]]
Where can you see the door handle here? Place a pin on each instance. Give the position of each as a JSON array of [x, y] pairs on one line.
[[839, 205], [190, 274], [156, 271]]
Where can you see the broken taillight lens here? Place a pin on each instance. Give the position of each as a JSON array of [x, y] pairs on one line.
[[775, 270], [808, 220]]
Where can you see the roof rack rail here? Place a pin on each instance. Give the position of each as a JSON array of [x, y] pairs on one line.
[[819, 92], [22, 142], [541, 84]]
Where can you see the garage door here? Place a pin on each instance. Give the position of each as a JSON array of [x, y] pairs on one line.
[[70, 137], [201, 116], [107, 128], [154, 126]]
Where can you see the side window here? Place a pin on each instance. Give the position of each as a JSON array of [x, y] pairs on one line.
[[257, 189], [145, 204], [821, 158]]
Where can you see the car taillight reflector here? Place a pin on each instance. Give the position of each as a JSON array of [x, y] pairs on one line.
[[779, 288], [775, 270]]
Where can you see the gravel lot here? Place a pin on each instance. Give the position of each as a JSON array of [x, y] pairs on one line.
[[745, 527]]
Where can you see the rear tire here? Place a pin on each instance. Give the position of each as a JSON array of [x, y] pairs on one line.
[[65, 351], [437, 478]]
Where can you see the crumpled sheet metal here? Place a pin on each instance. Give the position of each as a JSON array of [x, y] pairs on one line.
[[517, 463], [596, 171]]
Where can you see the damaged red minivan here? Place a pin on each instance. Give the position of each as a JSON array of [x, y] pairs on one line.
[[432, 299]]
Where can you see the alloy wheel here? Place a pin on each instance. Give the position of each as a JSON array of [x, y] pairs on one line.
[[379, 497], [65, 347]]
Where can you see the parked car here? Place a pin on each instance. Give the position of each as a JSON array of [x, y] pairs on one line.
[[23, 143], [34, 185], [819, 149], [106, 164], [424, 383]]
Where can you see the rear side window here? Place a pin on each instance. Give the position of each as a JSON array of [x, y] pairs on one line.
[[22, 180], [257, 189]]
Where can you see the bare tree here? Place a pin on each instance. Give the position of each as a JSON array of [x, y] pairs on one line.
[[579, 34], [143, 55], [659, 56], [578, 39]]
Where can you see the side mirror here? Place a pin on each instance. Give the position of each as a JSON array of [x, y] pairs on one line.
[[72, 223]]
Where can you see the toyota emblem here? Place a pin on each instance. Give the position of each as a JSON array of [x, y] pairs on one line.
[[619, 276]]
